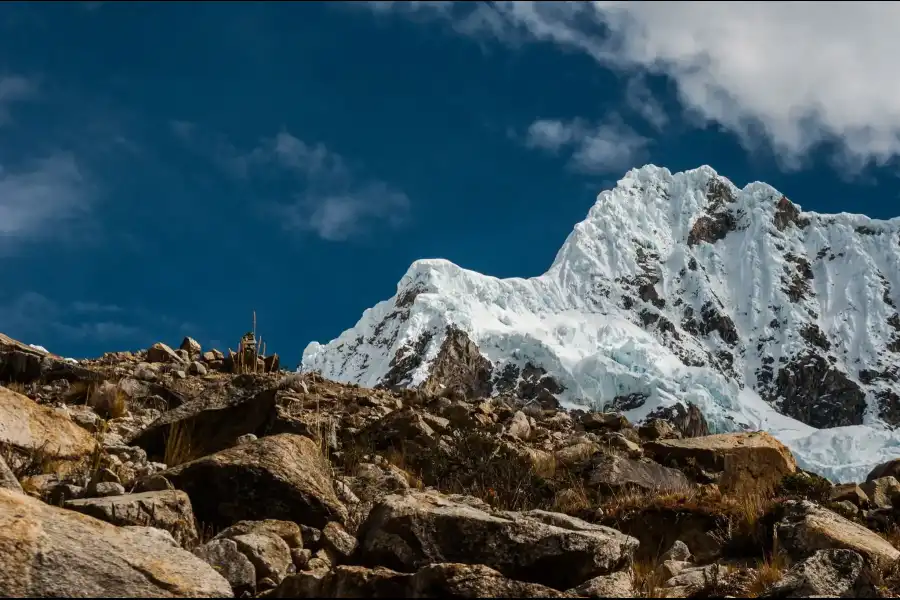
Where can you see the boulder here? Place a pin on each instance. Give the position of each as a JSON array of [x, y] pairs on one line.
[[276, 477], [881, 491], [576, 453], [286, 530], [345, 582], [269, 554], [406, 532], [161, 353], [409, 427], [805, 528], [885, 469], [339, 544], [432, 581], [8, 479], [518, 426], [836, 573], [168, 510], [105, 489], [207, 424], [679, 551], [47, 552], [849, 492], [473, 581], [42, 438], [745, 463], [600, 421], [612, 473], [381, 478], [615, 585], [688, 421], [223, 555], [191, 346], [658, 429]]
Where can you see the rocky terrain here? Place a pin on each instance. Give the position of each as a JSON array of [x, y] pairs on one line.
[[192, 473], [676, 287]]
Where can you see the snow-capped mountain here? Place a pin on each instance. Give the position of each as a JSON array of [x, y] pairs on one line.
[[675, 288]]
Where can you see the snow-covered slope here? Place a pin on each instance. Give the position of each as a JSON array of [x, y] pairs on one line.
[[676, 288]]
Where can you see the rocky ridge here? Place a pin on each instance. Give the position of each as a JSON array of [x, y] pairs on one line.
[[121, 478], [675, 287]]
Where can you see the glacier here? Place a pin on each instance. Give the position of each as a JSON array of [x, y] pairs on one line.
[[679, 288]]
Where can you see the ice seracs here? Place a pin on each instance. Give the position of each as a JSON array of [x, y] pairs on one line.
[[675, 288]]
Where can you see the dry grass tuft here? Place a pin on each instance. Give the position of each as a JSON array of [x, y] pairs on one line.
[[646, 579], [108, 400], [180, 446], [892, 535], [16, 387], [768, 572], [37, 461], [572, 500]]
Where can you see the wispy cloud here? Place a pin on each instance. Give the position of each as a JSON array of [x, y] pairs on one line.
[[605, 147], [641, 100], [95, 307], [14, 88], [34, 318], [789, 73], [328, 197], [39, 196]]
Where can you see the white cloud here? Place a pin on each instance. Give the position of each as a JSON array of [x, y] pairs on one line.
[[330, 199], [599, 148], [641, 100], [39, 196], [794, 73], [14, 88]]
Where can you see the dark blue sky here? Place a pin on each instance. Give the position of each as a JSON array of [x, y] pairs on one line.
[[165, 169]]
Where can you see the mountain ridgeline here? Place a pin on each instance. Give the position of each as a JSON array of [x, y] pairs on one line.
[[677, 288]]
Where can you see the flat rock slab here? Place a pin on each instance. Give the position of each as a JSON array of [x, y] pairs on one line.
[[407, 532], [50, 552], [169, 510]]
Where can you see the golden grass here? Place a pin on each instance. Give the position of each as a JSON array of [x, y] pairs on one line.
[[108, 400], [768, 572], [180, 446], [16, 387], [572, 500], [646, 579], [892, 536]]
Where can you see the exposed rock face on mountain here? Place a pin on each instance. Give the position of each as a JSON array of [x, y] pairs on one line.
[[278, 485], [677, 288]]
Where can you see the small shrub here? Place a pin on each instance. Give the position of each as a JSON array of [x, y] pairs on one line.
[[805, 485]]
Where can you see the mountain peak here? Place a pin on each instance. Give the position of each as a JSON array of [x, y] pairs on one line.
[[677, 288]]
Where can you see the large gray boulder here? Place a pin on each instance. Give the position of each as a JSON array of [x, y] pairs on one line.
[[169, 510], [50, 552], [407, 532], [281, 477]]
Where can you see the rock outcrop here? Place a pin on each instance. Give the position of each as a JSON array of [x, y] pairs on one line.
[[277, 477], [296, 486], [50, 552]]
